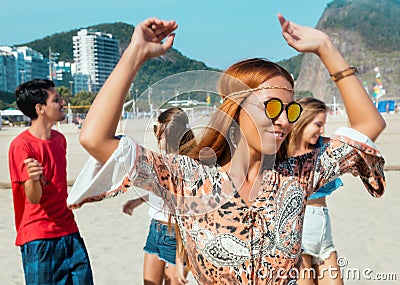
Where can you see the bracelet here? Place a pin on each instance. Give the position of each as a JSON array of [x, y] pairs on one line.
[[341, 74]]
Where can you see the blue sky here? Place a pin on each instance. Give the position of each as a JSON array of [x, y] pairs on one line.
[[217, 32]]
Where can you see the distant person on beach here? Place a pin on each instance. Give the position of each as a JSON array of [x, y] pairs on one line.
[[319, 253], [240, 218], [53, 252], [80, 122], [173, 134]]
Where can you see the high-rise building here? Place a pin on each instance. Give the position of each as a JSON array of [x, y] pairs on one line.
[[20, 64], [8, 71], [95, 56]]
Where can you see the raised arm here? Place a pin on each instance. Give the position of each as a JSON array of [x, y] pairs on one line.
[[362, 113], [98, 131]]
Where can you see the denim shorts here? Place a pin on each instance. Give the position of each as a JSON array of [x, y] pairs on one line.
[[161, 241], [317, 235], [52, 261]]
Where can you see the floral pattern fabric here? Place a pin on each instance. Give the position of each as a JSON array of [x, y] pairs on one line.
[[229, 242]]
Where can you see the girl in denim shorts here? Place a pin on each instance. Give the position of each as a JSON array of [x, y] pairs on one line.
[[317, 245], [161, 264]]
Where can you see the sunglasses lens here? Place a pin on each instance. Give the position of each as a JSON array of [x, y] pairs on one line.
[[155, 129], [273, 108], [293, 112]]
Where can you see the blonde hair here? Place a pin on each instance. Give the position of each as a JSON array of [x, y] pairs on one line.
[[173, 124], [311, 108]]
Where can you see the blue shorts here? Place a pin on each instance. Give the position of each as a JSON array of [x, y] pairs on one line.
[[317, 236], [62, 260], [161, 241]]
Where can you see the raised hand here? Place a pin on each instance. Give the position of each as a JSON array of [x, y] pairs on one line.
[[302, 38], [154, 36]]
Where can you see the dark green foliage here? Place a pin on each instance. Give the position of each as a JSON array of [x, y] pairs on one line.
[[301, 94], [293, 64], [2, 105], [7, 97], [377, 21], [152, 71], [156, 69], [62, 42]]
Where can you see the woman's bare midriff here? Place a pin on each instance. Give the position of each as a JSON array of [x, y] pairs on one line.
[[320, 202]]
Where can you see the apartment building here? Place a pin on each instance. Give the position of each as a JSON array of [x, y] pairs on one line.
[[95, 56], [20, 64]]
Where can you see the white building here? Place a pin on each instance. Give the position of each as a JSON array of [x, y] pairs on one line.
[[95, 56]]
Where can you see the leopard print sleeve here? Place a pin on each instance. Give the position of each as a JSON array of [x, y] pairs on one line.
[[350, 152], [185, 185]]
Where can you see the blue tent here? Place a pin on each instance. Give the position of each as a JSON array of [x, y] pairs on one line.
[[386, 106]]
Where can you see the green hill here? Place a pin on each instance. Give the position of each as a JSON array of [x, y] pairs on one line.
[[367, 33], [376, 21], [152, 71], [367, 30]]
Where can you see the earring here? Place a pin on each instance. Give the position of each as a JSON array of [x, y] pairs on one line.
[[232, 136]]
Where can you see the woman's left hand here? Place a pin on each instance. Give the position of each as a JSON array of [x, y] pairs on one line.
[[302, 38]]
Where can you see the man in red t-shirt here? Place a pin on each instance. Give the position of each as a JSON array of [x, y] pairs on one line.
[[52, 249]]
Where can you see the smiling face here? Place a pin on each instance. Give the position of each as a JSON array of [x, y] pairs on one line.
[[53, 111], [264, 136], [314, 129]]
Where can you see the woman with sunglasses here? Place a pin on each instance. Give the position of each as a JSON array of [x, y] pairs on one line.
[[240, 219], [319, 259], [173, 133]]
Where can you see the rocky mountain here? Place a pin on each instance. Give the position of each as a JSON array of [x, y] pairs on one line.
[[367, 33]]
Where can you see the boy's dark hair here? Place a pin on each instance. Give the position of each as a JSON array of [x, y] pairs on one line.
[[30, 93]]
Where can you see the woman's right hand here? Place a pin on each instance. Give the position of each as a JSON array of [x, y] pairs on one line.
[[131, 205], [154, 37], [303, 38]]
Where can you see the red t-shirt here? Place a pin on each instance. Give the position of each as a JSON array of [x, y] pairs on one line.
[[50, 218]]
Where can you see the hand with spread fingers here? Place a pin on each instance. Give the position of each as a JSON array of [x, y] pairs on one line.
[[302, 38], [154, 36]]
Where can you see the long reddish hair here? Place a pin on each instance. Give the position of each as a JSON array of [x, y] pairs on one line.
[[245, 74]]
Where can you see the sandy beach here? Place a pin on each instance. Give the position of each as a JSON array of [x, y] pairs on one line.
[[365, 230]]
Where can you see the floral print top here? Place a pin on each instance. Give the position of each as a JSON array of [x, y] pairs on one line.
[[227, 241]]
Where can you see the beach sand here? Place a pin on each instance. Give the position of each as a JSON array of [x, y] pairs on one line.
[[365, 229]]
